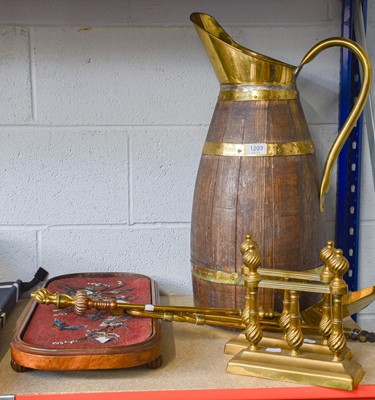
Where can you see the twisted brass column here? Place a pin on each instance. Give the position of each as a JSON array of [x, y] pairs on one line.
[[325, 325], [339, 265], [252, 261], [294, 336], [245, 270], [284, 320]]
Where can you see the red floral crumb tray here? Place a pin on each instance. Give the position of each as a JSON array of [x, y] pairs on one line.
[[53, 339]]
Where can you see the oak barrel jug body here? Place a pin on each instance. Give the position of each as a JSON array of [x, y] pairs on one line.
[[258, 175]]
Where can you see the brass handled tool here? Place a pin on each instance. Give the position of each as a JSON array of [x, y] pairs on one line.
[[198, 316]]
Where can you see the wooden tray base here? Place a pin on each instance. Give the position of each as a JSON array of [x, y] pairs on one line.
[[49, 339]]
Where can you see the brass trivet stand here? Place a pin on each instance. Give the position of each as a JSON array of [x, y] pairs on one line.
[[290, 356]]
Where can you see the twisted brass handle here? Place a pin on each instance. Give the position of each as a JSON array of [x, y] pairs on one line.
[[357, 108]]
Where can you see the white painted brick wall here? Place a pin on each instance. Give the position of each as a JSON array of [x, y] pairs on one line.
[[55, 176], [15, 96], [101, 128], [158, 251], [18, 255], [164, 161], [121, 76]]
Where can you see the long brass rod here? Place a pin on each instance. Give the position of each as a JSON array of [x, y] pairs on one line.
[[225, 317], [61, 300], [195, 318], [208, 311]]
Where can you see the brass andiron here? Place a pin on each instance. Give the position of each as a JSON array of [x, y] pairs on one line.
[[322, 361], [272, 346]]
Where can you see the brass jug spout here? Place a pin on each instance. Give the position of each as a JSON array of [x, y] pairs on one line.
[[235, 64]]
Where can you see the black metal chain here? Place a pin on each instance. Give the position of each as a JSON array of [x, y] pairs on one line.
[[362, 335]]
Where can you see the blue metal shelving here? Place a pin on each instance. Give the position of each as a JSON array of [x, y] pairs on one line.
[[349, 161]]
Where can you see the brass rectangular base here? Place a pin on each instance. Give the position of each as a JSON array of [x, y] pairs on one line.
[[308, 368], [275, 340]]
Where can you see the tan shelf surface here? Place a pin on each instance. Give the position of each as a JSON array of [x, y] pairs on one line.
[[193, 359]]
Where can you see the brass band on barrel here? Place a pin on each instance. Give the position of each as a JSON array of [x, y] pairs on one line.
[[258, 149], [211, 275], [235, 278], [258, 94]]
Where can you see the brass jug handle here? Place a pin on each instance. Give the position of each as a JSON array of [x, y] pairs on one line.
[[357, 108]]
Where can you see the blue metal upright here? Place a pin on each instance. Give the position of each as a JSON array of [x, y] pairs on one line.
[[349, 161]]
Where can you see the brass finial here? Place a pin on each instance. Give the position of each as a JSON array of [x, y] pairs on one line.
[[327, 252], [60, 300], [246, 245], [338, 263], [249, 241], [325, 255], [252, 258]]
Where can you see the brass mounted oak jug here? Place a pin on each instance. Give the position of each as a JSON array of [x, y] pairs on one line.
[[258, 172]]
